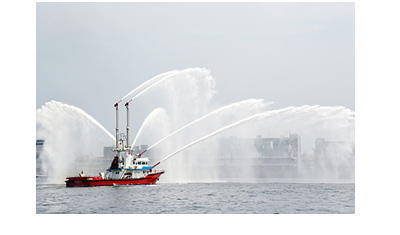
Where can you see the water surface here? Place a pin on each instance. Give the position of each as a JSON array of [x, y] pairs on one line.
[[199, 198]]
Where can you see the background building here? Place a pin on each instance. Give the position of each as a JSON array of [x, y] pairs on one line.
[[235, 157], [334, 157], [39, 162], [268, 157]]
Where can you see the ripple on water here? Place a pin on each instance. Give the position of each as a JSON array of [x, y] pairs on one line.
[[228, 198]]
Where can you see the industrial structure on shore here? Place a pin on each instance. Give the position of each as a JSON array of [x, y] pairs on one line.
[[280, 157]]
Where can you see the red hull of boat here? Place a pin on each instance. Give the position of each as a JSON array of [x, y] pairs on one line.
[[87, 181]]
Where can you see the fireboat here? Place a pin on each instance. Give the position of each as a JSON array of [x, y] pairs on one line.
[[126, 168]]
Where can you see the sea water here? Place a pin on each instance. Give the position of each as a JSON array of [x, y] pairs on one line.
[[199, 198]]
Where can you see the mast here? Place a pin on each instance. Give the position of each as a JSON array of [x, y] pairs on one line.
[[116, 127], [127, 125]]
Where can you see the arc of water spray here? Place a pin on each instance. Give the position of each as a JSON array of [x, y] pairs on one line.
[[149, 117], [99, 125], [237, 104], [152, 85], [245, 120], [89, 117], [170, 74], [148, 82], [137, 135]]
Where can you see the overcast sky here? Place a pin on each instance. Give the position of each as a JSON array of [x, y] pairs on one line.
[[92, 54], [306, 50]]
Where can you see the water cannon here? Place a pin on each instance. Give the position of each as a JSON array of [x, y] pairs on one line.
[[140, 154], [127, 103], [156, 164], [116, 104]]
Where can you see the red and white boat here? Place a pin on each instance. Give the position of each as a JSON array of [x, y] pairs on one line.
[[135, 171], [125, 169]]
